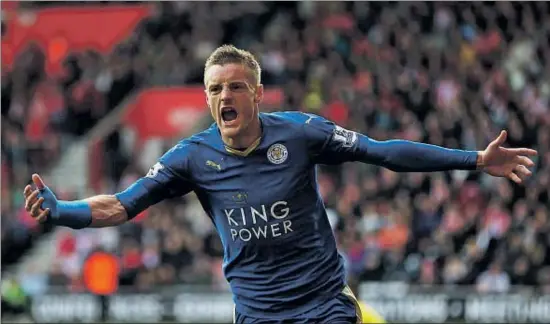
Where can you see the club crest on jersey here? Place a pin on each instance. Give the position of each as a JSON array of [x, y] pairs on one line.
[[277, 153], [344, 136], [154, 170]]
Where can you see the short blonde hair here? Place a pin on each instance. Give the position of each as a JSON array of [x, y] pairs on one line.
[[227, 54]]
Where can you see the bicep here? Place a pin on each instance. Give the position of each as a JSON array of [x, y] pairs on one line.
[[328, 143]]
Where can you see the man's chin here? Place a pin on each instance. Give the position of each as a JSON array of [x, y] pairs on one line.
[[230, 131]]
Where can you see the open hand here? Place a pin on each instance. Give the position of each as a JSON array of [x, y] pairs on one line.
[[39, 202], [512, 163]]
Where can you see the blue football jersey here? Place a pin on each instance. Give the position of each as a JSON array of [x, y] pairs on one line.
[[280, 254]]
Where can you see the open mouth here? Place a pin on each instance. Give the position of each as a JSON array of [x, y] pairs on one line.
[[229, 114]]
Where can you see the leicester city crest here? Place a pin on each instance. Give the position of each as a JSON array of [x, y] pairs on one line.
[[277, 153]]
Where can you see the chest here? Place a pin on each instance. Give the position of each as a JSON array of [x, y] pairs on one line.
[[269, 173]]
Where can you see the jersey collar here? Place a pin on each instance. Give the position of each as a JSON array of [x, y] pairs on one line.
[[246, 152], [251, 148]]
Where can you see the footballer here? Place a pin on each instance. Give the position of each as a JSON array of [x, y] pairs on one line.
[[255, 176]]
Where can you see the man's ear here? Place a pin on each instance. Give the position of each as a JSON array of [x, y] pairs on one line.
[[259, 95], [206, 96]]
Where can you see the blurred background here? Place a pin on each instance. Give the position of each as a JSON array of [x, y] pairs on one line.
[[94, 92]]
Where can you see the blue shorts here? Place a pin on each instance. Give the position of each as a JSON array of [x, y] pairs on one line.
[[344, 309]]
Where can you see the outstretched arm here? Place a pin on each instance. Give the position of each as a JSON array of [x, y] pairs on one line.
[[331, 144], [407, 156], [97, 211], [166, 179]]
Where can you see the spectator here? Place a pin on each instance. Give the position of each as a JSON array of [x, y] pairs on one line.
[[447, 74], [494, 280]]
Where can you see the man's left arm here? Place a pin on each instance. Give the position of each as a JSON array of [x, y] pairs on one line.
[[331, 144]]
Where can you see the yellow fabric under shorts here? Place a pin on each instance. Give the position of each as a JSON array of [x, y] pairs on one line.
[[365, 313]]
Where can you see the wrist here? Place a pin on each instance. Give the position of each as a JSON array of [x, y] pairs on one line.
[[480, 162], [74, 214]]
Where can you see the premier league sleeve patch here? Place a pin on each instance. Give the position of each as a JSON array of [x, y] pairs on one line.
[[346, 137], [154, 170]]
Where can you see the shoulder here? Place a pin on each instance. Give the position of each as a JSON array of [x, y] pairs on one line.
[[296, 118], [286, 118], [312, 126], [186, 149], [206, 137]]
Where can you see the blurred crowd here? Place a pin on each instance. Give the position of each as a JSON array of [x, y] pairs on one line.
[[443, 73]]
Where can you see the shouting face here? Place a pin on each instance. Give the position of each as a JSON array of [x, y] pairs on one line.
[[233, 96]]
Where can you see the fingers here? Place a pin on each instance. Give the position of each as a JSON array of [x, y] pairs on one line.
[[35, 209], [43, 216], [519, 174], [500, 139], [30, 200], [523, 160], [32, 204], [27, 191], [523, 151], [514, 177], [38, 182], [523, 172]]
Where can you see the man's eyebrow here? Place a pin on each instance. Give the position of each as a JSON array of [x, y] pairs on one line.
[[213, 83]]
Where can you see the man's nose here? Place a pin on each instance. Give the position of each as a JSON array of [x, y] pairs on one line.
[[226, 94]]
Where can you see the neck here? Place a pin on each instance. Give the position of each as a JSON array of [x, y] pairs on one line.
[[244, 140]]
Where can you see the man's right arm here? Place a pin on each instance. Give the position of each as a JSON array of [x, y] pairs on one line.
[[106, 210], [168, 178]]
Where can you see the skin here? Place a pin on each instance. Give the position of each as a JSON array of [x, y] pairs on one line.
[[234, 85], [106, 209], [496, 160], [511, 163], [226, 85]]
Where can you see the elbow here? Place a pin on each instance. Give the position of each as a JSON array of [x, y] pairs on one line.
[[395, 165], [109, 220], [386, 154], [106, 215]]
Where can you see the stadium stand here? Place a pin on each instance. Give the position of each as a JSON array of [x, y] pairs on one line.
[[444, 73]]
